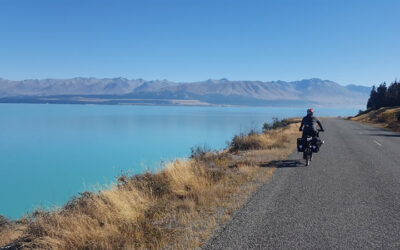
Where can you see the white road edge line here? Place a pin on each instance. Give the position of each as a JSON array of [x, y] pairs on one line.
[[378, 143]]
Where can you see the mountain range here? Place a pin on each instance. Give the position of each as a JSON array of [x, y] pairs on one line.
[[210, 92]]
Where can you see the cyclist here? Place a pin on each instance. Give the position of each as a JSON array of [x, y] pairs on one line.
[[308, 123]]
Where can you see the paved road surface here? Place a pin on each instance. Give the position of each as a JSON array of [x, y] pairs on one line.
[[348, 198]]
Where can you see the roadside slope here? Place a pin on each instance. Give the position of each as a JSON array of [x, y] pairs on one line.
[[348, 198], [176, 208], [386, 117]]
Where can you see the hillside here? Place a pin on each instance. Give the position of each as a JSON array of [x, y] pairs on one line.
[[211, 92], [387, 117]]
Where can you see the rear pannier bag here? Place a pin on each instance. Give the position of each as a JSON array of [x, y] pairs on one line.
[[300, 147], [316, 144]]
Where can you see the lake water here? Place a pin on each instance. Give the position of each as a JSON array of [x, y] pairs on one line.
[[48, 153]]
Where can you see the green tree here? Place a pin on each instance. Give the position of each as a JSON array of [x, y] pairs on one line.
[[372, 99], [393, 94], [381, 93]]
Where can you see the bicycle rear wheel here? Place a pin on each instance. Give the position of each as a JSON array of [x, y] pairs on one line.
[[307, 156]]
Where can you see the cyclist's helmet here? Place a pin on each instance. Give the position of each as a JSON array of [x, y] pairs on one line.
[[310, 111]]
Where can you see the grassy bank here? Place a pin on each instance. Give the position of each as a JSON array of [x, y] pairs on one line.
[[382, 117], [177, 207]]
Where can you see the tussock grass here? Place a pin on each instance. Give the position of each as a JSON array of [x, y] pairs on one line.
[[9, 231], [383, 117], [177, 207], [9, 235], [271, 139]]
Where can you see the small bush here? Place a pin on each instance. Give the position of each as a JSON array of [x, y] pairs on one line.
[[78, 201], [276, 123], [280, 124], [149, 183], [266, 127], [244, 142], [3, 222], [362, 112], [199, 152], [252, 132]]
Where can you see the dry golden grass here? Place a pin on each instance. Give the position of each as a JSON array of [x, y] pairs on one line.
[[178, 207], [273, 139], [10, 234], [383, 117], [274, 145]]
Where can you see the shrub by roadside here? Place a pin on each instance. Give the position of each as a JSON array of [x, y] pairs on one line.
[[276, 123], [3, 222], [271, 137]]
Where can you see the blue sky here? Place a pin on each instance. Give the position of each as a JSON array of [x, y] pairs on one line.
[[189, 40]]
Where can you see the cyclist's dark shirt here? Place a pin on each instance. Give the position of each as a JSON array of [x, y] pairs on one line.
[[308, 123]]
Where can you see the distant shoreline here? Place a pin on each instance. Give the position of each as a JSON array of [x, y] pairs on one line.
[[89, 100]]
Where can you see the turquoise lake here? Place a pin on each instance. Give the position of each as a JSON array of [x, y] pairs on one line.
[[48, 153]]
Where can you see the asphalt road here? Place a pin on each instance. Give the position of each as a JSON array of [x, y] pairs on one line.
[[348, 198]]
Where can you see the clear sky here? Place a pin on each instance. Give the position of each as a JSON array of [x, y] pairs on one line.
[[189, 40]]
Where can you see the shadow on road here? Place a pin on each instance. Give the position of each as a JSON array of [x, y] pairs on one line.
[[384, 135], [284, 164]]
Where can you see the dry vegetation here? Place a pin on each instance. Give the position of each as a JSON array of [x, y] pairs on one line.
[[8, 231], [178, 207], [383, 117]]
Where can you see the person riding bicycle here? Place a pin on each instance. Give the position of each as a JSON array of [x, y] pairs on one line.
[[308, 123]]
